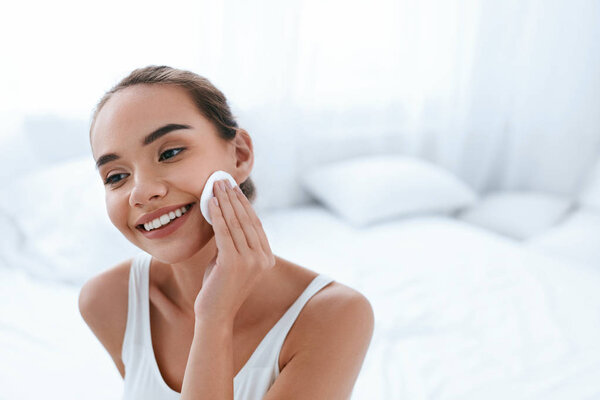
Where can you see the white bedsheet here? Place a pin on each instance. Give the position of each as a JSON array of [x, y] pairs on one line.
[[46, 350], [461, 313]]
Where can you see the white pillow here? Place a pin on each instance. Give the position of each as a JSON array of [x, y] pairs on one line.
[[368, 189], [577, 238], [590, 195], [62, 214], [519, 215]]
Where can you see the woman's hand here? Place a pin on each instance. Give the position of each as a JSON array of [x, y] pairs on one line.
[[243, 256]]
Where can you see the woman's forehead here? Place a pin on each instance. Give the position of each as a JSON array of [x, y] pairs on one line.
[[140, 102], [137, 110]]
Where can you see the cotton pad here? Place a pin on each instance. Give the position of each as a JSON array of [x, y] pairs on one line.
[[208, 194]]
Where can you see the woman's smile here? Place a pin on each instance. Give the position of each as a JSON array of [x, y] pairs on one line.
[[162, 216], [169, 227]]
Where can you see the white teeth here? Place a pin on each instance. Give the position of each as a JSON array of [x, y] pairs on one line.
[[165, 218]]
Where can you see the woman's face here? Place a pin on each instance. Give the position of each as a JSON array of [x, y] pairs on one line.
[[170, 170]]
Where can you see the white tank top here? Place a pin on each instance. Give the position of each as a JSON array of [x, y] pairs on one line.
[[142, 376]]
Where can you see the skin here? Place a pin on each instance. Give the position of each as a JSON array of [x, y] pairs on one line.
[[208, 283]]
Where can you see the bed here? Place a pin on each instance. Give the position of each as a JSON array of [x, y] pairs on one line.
[[461, 311]]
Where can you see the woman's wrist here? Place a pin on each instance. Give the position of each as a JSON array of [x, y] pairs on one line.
[[209, 368]]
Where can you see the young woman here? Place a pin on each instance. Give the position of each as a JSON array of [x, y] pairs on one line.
[[206, 311]]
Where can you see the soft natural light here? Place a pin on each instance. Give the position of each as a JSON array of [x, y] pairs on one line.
[[440, 157], [312, 54], [62, 55]]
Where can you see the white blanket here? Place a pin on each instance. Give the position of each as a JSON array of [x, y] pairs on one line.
[[460, 313]]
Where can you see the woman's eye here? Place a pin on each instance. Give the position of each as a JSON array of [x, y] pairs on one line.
[[111, 181], [177, 150]]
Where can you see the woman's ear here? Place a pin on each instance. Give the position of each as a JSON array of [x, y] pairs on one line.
[[244, 153]]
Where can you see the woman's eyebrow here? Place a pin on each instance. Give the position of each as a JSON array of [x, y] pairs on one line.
[[153, 136], [162, 131]]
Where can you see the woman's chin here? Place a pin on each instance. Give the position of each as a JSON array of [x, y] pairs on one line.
[[174, 253]]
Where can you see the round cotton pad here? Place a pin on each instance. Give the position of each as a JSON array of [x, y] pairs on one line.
[[208, 194]]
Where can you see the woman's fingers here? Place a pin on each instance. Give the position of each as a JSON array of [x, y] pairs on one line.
[[230, 218], [222, 235], [260, 233], [242, 224], [246, 223]]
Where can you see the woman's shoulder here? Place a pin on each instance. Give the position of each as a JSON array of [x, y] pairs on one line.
[[337, 303], [103, 306], [106, 288], [331, 291], [333, 294], [335, 314], [333, 302]]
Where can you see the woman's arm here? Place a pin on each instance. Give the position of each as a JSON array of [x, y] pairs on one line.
[[209, 369], [243, 256]]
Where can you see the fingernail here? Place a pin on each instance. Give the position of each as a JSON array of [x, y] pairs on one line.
[[228, 183]]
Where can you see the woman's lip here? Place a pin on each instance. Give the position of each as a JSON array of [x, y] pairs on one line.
[[155, 214], [141, 226], [167, 229]]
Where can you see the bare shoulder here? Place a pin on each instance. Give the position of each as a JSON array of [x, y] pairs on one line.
[[339, 303], [103, 306], [335, 312], [328, 342]]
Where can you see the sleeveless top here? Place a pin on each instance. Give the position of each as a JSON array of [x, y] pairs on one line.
[[143, 379]]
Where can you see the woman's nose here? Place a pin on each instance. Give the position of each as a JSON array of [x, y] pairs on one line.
[[145, 190]]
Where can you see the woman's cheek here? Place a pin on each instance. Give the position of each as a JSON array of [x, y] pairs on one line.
[[116, 215], [191, 182]]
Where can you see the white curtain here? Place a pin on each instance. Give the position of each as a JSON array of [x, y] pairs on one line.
[[505, 94]]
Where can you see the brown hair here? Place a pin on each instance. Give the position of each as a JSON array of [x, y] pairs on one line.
[[211, 102]]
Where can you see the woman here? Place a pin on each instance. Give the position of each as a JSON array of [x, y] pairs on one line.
[[206, 311]]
